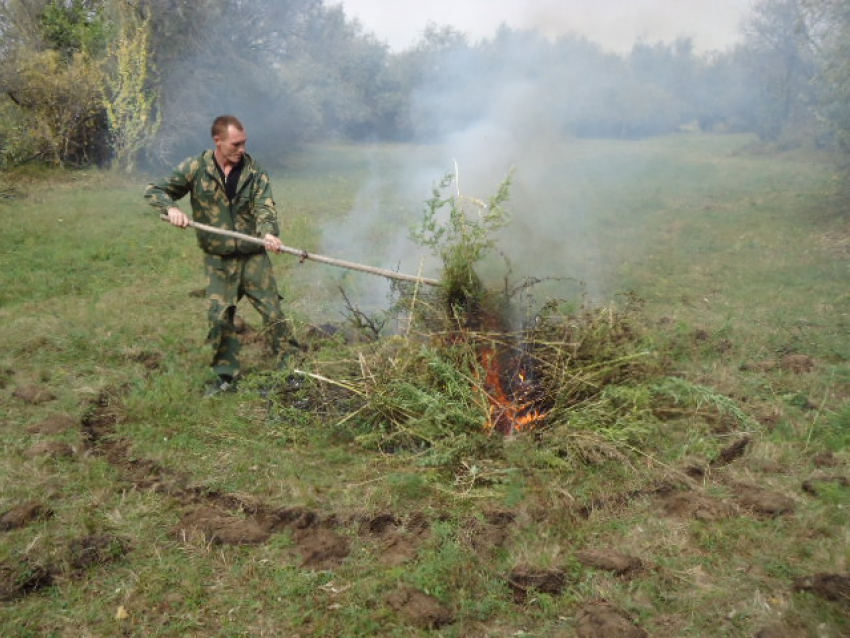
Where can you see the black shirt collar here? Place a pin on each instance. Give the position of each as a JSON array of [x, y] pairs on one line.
[[232, 180]]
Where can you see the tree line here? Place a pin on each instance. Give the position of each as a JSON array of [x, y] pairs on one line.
[[130, 82]]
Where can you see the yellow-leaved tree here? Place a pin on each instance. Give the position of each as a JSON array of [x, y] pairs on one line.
[[129, 99], [58, 101]]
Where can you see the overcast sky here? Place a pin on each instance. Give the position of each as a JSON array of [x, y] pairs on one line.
[[614, 24]]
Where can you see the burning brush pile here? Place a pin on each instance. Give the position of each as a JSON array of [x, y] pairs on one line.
[[459, 392], [461, 378]]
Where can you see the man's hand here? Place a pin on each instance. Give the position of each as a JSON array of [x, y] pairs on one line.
[[273, 243], [177, 217]]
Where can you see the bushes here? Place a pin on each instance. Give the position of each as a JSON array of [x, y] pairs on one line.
[[53, 109]]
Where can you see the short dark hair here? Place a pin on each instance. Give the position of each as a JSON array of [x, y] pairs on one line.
[[221, 124]]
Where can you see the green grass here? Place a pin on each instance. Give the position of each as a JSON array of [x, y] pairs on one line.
[[737, 258]]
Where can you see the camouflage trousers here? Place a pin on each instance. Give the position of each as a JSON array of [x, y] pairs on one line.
[[229, 278]]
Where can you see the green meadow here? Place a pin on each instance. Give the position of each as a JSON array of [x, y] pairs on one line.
[[704, 492]]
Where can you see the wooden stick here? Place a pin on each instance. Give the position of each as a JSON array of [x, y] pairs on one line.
[[303, 254]]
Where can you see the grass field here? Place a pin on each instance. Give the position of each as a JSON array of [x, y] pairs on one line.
[[709, 496]]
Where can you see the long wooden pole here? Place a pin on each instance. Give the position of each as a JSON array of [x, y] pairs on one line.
[[303, 254]]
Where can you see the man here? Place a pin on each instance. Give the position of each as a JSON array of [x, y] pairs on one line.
[[228, 189]]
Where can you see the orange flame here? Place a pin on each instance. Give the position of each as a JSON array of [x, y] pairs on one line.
[[510, 411]]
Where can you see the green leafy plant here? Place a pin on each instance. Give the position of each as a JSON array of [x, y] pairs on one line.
[[459, 230]]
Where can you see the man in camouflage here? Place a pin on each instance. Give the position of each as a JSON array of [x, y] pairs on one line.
[[228, 189]]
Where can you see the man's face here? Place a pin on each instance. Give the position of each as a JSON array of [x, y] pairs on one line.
[[231, 146]]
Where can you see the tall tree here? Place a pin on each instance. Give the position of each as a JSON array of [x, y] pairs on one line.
[[129, 99], [830, 33], [782, 67], [229, 56]]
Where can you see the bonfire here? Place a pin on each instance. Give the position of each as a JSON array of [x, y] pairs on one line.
[[462, 376]]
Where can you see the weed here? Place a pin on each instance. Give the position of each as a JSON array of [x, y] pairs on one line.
[[462, 238]]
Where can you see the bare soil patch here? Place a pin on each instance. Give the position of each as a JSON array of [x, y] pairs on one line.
[[56, 424], [492, 532], [95, 549], [797, 363], [24, 514], [33, 394], [51, 449], [610, 560], [834, 587], [524, 580], [794, 363], [732, 452], [398, 541], [419, 609], [149, 359], [22, 577], [584, 510], [603, 620], [825, 459], [763, 502], [699, 468], [6, 375], [322, 548], [689, 504], [211, 525]]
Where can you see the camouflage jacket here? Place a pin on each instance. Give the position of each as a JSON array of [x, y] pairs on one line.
[[252, 211]]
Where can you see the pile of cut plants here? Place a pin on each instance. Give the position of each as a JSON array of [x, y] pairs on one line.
[[475, 366]]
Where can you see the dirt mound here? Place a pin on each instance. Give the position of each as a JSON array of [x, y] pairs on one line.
[[419, 608], [398, 540], [19, 578], [94, 550], [150, 360], [492, 532], [292, 517], [622, 499], [835, 587], [51, 449], [797, 363], [56, 424], [610, 560], [23, 576], [524, 579], [700, 468], [398, 549], [210, 525], [33, 394], [815, 484], [794, 363], [825, 459], [604, 620], [24, 514], [322, 548], [732, 452], [382, 524], [6, 375], [688, 504], [763, 502], [247, 333]]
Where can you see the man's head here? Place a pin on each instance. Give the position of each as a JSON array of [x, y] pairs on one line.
[[230, 138]]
